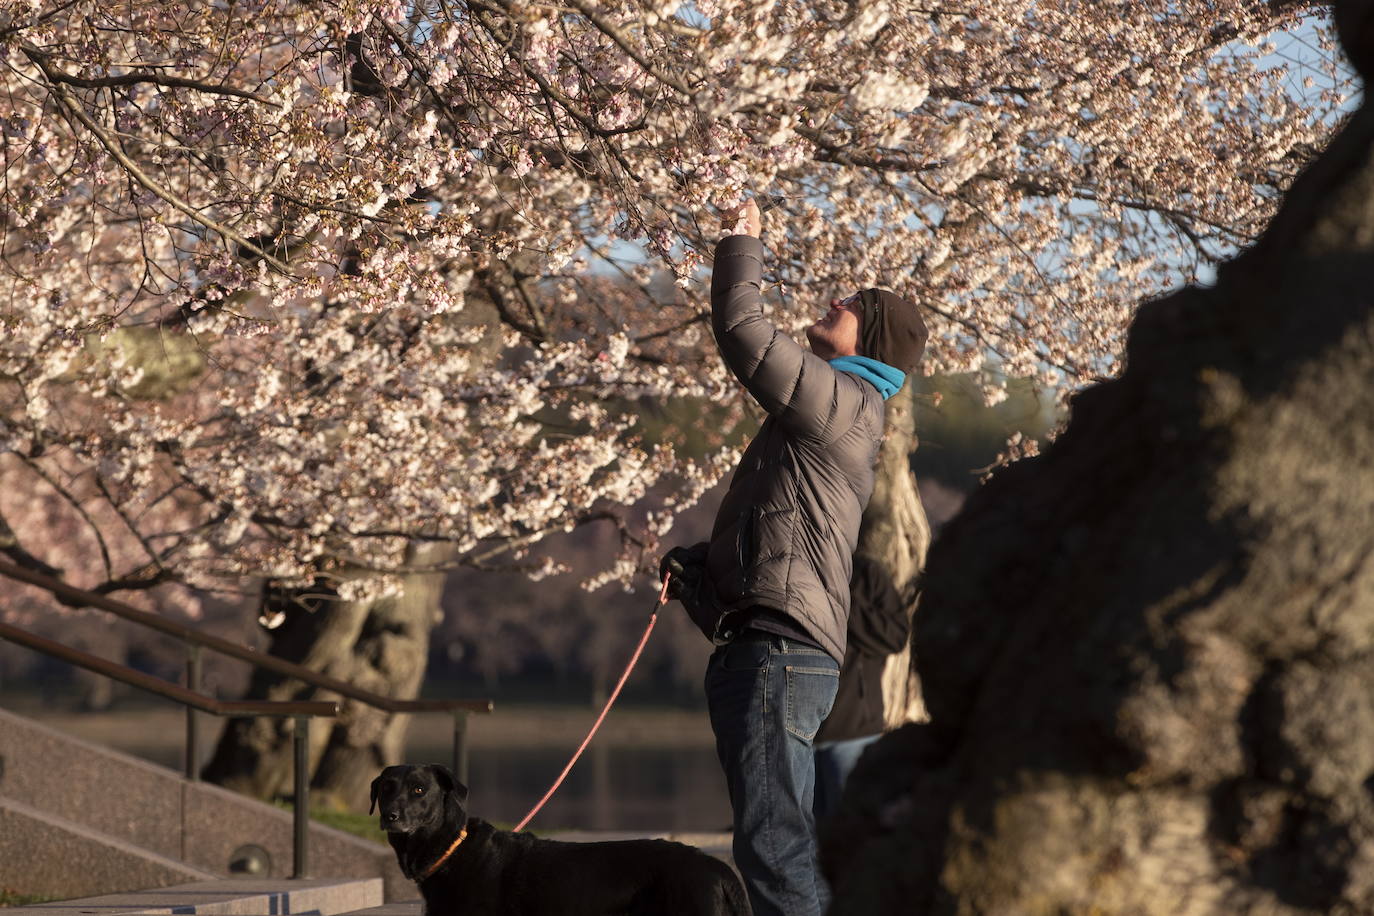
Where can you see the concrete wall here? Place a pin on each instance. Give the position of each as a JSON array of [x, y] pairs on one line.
[[130, 803]]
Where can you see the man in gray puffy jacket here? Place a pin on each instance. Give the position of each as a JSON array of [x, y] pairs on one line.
[[774, 592]]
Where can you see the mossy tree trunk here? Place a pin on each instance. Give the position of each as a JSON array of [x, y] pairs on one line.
[[380, 645], [895, 533]]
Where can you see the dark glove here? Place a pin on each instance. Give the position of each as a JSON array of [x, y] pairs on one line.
[[688, 583], [684, 566]]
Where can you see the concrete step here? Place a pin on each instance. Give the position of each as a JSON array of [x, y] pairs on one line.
[[400, 908], [49, 856], [160, 811], [231, 897]]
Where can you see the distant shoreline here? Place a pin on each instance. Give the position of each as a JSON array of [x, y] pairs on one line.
[[137, 729]]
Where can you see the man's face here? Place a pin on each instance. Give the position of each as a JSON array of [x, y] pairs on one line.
[[837, 332]]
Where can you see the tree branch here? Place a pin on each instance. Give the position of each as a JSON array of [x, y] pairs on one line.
[[134, 79], [112, 146], [146, 577], [498, 299], [608, 29]]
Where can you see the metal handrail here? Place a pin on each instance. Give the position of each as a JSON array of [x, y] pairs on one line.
[[300, 710], [196, 638], [166, 688]]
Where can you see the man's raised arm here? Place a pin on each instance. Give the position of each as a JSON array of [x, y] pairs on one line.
[[788, 381]]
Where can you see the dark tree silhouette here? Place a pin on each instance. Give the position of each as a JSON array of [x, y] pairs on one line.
[[1149, 654]]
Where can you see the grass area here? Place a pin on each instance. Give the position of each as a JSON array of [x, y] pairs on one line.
[[363, 825], [14, 898], [360, 825]]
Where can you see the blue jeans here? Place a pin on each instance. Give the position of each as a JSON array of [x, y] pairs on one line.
[[768, 696], [834, 762]]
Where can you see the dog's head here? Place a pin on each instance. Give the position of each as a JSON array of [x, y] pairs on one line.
[[414, 798]]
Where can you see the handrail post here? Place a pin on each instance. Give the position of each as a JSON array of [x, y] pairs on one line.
[[460, 745], [299, 853], [192, 732]]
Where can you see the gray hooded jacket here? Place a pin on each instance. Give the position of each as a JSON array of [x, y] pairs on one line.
[[785, 532]]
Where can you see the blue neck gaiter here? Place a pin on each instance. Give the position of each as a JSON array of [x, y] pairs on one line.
[[887, 379]]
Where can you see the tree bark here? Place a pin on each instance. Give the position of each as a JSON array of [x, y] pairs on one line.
[[895, 533], [380, 645], [1148, 654]]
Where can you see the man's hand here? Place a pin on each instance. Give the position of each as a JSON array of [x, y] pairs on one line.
[[744, 221], [685, 565]]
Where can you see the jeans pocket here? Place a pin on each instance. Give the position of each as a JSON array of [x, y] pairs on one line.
[[810, 694]]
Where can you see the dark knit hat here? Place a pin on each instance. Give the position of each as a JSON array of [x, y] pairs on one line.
[[891, 329]]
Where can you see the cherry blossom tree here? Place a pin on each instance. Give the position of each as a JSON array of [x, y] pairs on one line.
[[298, 292]]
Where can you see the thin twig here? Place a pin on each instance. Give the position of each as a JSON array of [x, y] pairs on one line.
[[75, 504]]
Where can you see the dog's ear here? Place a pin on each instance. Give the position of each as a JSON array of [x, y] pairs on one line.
[[444, 776], [373, 806]]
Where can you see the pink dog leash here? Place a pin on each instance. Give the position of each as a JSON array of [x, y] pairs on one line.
[[653, 618]]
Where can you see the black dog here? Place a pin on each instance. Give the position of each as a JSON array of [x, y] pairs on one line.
[[466, 866]]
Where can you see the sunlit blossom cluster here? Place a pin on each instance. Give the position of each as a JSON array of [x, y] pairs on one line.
[[289, 286]]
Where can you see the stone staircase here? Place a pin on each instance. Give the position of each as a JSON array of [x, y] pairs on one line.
[[78, 819], [234, 897]]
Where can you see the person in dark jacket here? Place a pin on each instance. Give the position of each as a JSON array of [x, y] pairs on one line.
[[771, 587], [879, 626]]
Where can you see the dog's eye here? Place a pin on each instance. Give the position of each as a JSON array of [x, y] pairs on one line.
[[419, 790]]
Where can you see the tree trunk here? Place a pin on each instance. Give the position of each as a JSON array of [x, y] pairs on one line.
[[379, 645], [1149, 654], [895, 533]]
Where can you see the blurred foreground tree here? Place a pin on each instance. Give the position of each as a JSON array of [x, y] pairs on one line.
[[293, 288], [1148, 654]]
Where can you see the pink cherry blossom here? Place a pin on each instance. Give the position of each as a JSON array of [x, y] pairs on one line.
[[287, 286]]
